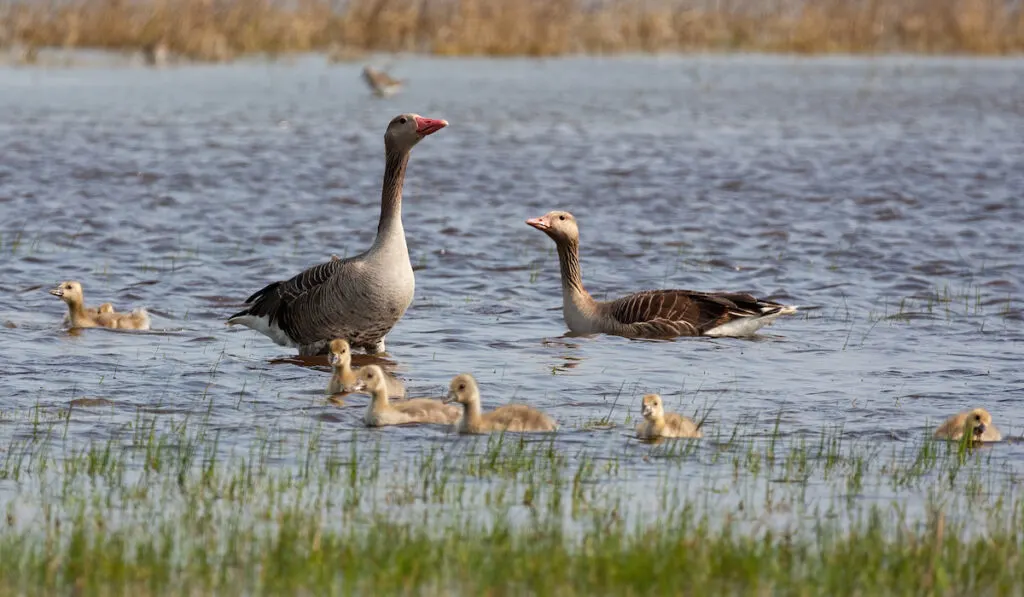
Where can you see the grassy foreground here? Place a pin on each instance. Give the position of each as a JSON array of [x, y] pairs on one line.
[[221, 29], [166, 509]]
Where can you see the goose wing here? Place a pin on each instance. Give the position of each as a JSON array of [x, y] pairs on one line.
[[298, 306], [686, 312]]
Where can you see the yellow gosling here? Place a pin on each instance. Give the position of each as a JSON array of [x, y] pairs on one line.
[[382, 412], [657, 423], [977, 422], [344, 379], [511, 417], [81, 316]]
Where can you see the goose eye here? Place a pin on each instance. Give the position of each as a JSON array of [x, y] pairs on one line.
[[561, 217], [402, 120], [462, 386]]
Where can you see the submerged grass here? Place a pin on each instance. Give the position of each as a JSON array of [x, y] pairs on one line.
[[163, 507], [221, 29]]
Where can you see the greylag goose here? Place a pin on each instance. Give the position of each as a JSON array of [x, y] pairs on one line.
[[382, 412], [977, 422], [510, 417], [651, 313], [359, 298], [381, 83], [81, 316], [657, 423], [344, 379]]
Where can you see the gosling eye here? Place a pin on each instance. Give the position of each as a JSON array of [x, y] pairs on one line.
[[561, 217], [462, 386], [977, 417]]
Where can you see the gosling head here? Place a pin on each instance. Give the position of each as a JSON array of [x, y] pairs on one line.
[[371, 378], [463, 390], [340, 355], [406, 130], [559, 225], [978, 420], [69, 291], [651, 407], [106, 308]]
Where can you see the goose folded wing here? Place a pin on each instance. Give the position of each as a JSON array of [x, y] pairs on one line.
[[295, 305], [682, 311]]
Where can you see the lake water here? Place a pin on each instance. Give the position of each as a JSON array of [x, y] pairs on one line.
[[888, 193]]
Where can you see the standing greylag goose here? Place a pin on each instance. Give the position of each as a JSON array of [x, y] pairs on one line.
[[381, 83], [382, 412], [344, 379], [651, 313], [657, 423], [510, 417], [977, 422], [81, 316], [360, 298]]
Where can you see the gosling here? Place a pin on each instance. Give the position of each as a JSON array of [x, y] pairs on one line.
[[657, 423], [977, 422], [516, 418], [81, 316], [381, 412], [344, 379]]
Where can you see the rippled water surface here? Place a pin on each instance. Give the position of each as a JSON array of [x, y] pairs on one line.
[[885, 192]]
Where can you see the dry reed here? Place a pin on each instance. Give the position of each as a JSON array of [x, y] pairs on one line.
[[220, 29]]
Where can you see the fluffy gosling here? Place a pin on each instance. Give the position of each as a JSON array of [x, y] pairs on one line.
[[382, 412], [344, 379], [81, 316], [511, 417], [657, 423], [977, 422]]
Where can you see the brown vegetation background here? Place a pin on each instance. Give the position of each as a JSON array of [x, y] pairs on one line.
[[221, 29]]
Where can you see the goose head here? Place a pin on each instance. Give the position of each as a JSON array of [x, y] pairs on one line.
[[463, 390], [340, 355], [406, 130], [371, 378], [977, 421], [651, 407], [69, 291], [559, 225]]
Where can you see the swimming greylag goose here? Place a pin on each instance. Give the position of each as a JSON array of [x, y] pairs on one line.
[[382, 412], [651, 313], [977, 422], [381, 83], [360, 298], [344, 379], [657, 423], [81, 316], [510, 417]]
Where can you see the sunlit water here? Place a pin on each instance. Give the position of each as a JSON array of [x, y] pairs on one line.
[[885, 192]]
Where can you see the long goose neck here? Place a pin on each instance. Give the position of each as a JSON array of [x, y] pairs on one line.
[[379, 399], [390, 226], [569, 262]]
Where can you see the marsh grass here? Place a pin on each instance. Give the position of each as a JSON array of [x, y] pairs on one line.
[[165, 507], [221, 29]]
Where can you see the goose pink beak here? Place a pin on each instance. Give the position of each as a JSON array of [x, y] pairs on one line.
[[429, 126], [539, 223]]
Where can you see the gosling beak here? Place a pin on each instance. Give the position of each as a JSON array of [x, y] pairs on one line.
[[58, 291], [429, 126], [540, 223], [979, 429], [333, 359], [451, 397]]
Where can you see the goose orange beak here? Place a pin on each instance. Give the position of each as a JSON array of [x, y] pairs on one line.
[[539, 223], [429, 126]]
